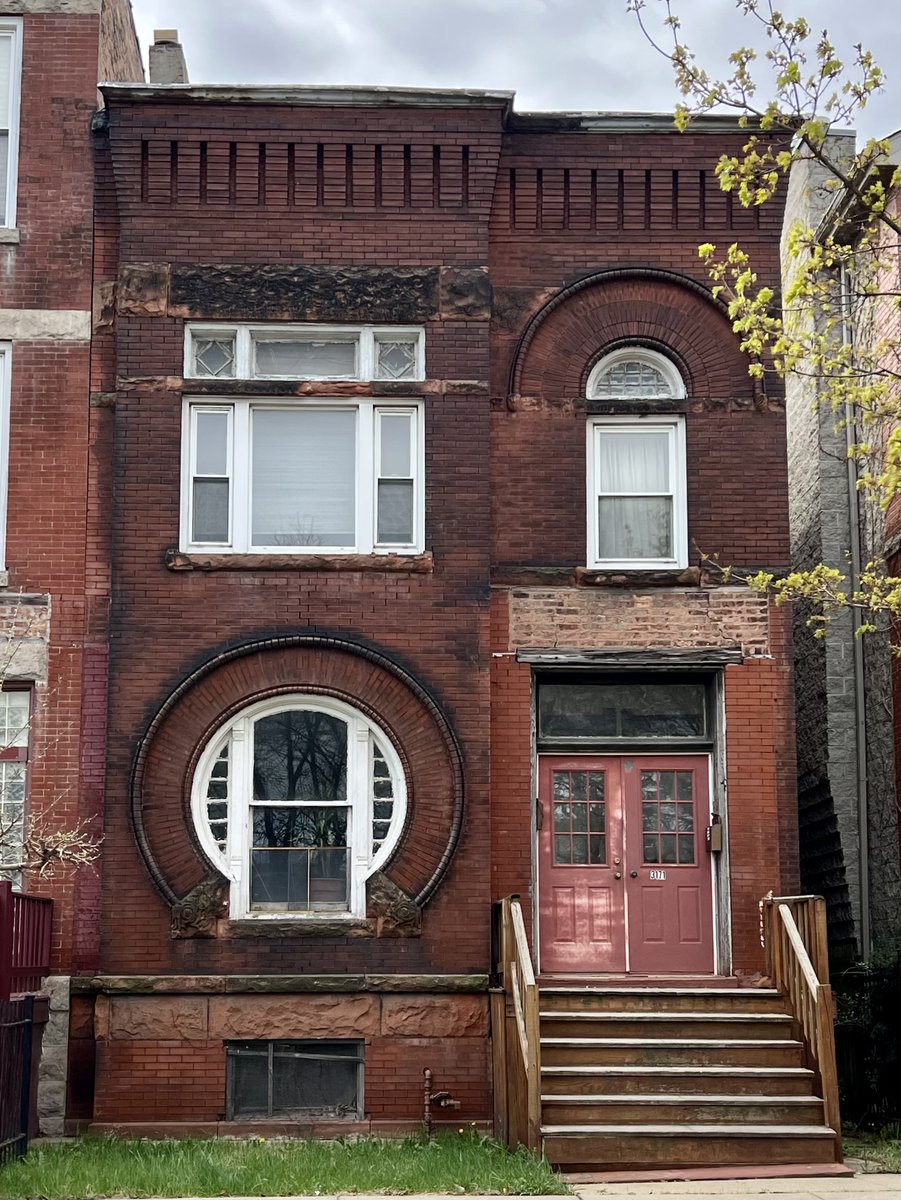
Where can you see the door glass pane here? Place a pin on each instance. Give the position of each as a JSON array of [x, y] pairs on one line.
[[574, 815], [300, 755], [668, 847], [633, 461], [686, 849], [321, 359], [304, 478], [635, 527], [668, 826]]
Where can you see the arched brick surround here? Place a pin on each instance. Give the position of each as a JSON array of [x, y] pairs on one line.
[[168, 753], [661, 309]]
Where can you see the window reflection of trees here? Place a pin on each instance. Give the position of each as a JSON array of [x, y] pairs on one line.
[[300, 755]]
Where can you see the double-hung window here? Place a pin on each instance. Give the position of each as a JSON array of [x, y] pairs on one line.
[[636, 495], [637, 510], [15, 724], [10, 79], [304, 475]]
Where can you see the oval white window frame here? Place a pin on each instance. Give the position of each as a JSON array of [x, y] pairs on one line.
[[361, 732]]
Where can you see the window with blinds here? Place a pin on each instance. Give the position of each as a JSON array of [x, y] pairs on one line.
[[303, 477]]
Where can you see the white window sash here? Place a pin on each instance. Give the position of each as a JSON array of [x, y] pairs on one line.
[[239, 845], [11, 32], [5, 377], [240, 451], [675, 427]]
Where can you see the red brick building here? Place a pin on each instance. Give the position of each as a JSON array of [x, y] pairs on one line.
[[55, 558], [418, 415]]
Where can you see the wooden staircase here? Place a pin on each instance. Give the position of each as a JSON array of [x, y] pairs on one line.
[[642, 1077], [689, 1073]]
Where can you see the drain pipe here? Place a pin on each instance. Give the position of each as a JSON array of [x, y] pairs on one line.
[[860, 718]]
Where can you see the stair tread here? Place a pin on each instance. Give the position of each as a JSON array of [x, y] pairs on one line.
[[678, 1098], [783, 1018], [591, 1069], [686, 1130], [652, 1041], [770, 993]]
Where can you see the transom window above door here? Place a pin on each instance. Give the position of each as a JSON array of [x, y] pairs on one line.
[[323, 352], [295, 477], [297, 801]]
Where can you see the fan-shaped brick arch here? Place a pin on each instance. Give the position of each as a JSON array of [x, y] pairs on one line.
[[657, 308], [363, 678]]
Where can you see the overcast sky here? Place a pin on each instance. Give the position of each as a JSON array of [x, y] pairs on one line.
[[555, 54]]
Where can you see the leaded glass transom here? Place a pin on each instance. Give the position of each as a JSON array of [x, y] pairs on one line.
[[214, 357], [396, 360]]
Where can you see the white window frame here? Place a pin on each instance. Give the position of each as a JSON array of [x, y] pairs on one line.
[[675, 425], [641, 354], [235, 862], [5, 378], [365, 338], [368, 413], [11, 28]]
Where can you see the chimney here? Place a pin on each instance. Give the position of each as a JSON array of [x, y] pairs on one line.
[[167, 59]]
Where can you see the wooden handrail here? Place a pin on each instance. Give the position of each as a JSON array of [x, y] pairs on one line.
[[515, 1034], [794, 934]]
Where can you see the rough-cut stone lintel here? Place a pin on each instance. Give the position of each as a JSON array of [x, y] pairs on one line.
[[138, 985], [413, 389], [411, 564]]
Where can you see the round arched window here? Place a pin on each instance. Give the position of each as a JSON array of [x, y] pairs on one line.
[[634, 373], [297, 801]]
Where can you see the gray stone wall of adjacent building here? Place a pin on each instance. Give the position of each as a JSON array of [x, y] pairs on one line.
[[829, 785]]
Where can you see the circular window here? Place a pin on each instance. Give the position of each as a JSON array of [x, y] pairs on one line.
[[634, 373], [297, 801]]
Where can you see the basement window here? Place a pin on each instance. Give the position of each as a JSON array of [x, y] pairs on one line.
[[294, 1081], [323, 352]]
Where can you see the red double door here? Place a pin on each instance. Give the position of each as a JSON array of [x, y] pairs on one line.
[[624, 874]]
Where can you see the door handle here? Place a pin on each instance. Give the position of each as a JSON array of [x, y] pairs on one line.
[[633, 874], [617, 874]]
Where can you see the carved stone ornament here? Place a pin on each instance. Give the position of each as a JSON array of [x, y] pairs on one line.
[[195, 915], [394, 913]]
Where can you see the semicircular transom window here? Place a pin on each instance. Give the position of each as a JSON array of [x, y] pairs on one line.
[[633, 373], [297, 801]]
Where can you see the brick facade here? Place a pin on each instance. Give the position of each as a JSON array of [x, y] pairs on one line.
[[524, 249]]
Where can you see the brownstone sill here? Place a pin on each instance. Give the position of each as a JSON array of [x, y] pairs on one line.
[[148, 985], [529, 576], [409, 564]]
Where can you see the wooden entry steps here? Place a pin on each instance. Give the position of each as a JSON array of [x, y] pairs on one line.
[[638, 1077]]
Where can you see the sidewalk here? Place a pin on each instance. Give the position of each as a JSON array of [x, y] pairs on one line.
[[858, 1187]]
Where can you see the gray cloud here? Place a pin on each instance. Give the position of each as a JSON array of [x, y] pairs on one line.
[[559, 54]]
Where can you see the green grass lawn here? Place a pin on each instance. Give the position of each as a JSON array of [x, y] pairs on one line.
[[101, 1167], [878, 1152]]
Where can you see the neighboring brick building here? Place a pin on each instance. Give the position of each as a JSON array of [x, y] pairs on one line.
[[419, 414], [55, 596]]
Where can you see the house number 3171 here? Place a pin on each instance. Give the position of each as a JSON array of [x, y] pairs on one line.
[[658, 874]]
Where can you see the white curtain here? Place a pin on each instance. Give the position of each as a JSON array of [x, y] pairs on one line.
[[633, 524]]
